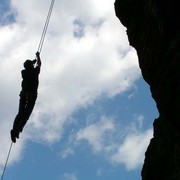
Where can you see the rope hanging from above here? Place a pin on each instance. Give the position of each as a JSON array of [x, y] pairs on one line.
[[45, 26], [6, 160], [39, 50]]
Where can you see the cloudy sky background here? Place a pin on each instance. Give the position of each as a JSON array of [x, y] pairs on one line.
[[94, 113]]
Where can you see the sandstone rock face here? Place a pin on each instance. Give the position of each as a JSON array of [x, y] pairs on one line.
[[153, 29]]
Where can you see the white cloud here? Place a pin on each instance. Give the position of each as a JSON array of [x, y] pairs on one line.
[[103, 138], [74, 71], [69, 176], [131, 151], [96, 134], [67, 152]]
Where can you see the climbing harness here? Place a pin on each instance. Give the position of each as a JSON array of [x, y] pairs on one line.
[[39, 50]]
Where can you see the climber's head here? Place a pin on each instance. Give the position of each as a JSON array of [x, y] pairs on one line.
[[28, 64]]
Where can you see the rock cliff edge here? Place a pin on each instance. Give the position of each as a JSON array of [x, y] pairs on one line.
[[153, 29]]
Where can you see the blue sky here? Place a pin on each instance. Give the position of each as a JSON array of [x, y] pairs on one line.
[[94, 113]]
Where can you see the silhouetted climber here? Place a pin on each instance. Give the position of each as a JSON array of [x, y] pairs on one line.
[[28, 95]]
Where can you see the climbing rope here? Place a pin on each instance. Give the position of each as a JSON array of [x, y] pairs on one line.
[[6, 161], [45, 26], [39, 50]]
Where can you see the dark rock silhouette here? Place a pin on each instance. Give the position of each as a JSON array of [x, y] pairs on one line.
[[153, 30]]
